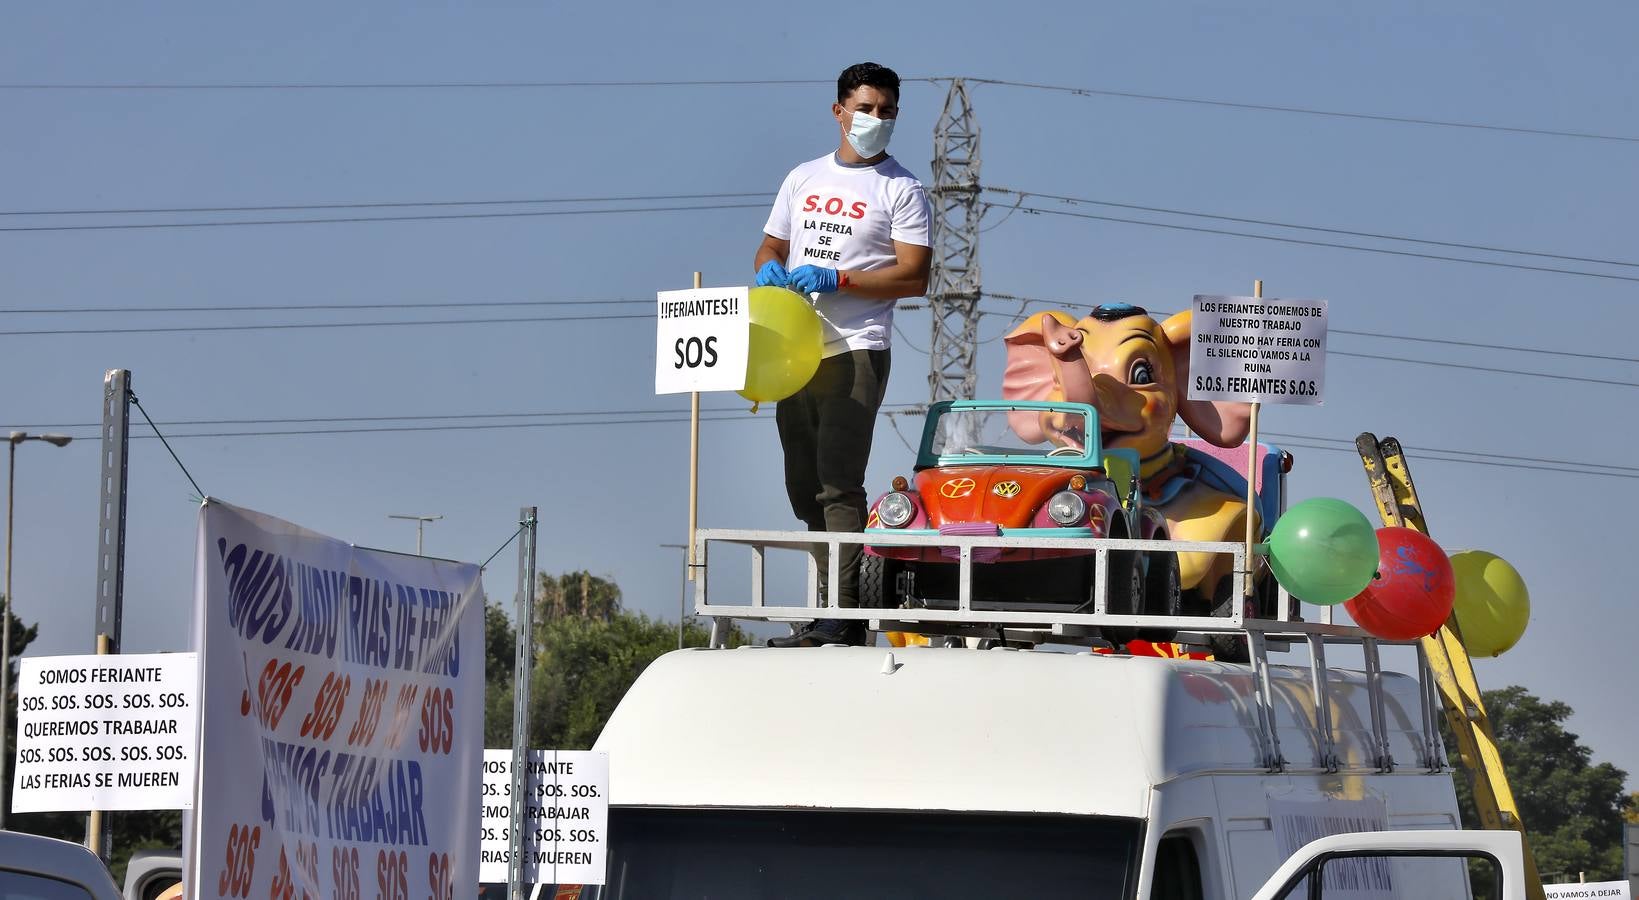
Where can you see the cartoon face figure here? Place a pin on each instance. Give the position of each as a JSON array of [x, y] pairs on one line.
[[1131, 368]]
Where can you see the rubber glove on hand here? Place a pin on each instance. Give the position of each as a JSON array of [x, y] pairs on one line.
[[773, 274], [814, 279]]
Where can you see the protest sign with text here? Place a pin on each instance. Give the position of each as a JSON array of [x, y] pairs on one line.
[[702, 340], [1258, 349], [340, 734], [106, 732], [566, 817]]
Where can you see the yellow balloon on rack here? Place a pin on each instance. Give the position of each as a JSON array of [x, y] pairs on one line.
[[1492, 605], [785, 344]]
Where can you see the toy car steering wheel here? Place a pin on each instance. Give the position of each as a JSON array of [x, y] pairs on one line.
[[1064, 451]]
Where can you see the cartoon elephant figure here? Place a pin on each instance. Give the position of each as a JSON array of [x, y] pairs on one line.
[[1135, 372]]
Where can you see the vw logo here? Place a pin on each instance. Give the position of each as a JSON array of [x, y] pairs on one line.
[[957, 488], [1006, 489]]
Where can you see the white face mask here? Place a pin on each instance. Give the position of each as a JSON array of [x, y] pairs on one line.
[[869, 135]]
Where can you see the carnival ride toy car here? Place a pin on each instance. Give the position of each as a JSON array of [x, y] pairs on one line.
[[976, 477]]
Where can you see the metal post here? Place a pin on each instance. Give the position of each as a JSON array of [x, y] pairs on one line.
[[1252, 480], [5, 643], [954, 278], [523, 668], [694, 469], [116, 434], [116, 428]]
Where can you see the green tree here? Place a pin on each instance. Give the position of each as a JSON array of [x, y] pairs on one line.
[[586, 656], [575, 595], [1572, 808]]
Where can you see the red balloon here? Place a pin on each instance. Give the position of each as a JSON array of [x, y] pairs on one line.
[[1411, 595]]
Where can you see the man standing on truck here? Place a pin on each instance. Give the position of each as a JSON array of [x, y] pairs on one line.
[[851, 228]]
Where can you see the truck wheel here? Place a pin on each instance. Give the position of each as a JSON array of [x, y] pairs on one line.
[[1231, 648], [1163, 595], [876, 582], [1126, 593]]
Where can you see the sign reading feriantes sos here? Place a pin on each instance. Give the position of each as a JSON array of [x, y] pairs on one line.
[[1258, 349], [702, 340]]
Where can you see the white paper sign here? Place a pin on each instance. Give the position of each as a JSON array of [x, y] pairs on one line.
[[1246, 348], [566, 817], [106, 732], [702, 340], [341, 727], [1603, 890]]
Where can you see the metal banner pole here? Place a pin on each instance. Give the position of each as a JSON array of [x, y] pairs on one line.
[[116, 432], [694, 466], [523, 667], [1252, 475]]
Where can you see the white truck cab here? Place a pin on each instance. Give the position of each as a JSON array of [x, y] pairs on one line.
[[958, 772]]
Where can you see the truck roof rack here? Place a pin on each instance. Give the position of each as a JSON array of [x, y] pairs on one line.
[[1071, 625]]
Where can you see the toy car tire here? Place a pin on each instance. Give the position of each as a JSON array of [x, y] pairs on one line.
[[1126, 593], [876, 582], [1163, 595]]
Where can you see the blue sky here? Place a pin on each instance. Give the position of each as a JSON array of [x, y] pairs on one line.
[[611, 494]]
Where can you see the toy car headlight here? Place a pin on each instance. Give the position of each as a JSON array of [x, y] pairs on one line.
[[895, 510], [1067, 508]]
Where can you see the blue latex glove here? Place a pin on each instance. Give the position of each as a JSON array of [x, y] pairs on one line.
[[772, 273], [814, 279]]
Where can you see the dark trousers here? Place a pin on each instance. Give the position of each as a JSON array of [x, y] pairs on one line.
[[826, 431]]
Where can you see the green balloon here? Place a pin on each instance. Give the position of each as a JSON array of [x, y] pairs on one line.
[[1323, 551]]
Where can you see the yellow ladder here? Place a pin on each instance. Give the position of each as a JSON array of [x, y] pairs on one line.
[[1397, 504]]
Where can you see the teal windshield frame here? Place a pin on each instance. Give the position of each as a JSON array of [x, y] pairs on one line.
[[1092, 456]]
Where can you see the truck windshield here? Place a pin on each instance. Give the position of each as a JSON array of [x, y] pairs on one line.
[[692, 854]]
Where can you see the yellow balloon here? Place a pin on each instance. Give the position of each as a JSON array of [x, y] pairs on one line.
[[1492, 606], [785, 344]]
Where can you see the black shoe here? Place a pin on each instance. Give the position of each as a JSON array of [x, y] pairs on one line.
[[825, 631]]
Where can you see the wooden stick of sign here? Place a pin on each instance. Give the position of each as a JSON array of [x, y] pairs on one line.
[[1252, 473], [694, 466]]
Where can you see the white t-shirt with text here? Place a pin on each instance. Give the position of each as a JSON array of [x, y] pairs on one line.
[[848, 217]]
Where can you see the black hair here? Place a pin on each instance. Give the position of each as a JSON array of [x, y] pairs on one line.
[[867, 74]]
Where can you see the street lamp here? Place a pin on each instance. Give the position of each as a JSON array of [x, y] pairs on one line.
[[16, 437], [420, 521]]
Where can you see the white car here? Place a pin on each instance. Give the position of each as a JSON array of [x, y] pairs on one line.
[[32, 866]]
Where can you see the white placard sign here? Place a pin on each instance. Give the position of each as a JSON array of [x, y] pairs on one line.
[[1603, 890], [106, 732], [341, 716], [566, 817], [702, 340], [1258, 349]]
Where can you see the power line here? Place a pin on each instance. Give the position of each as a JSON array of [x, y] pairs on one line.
[[1465, 457], [754, 82], [406, 85], [619, 301], [1021, 195], [1308, 243], [1308, 111], [430, 217], [378, 204], [1510, 348], [305, 307], [1378, 357], [281, 326], [1349, 445], [310, 420]]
